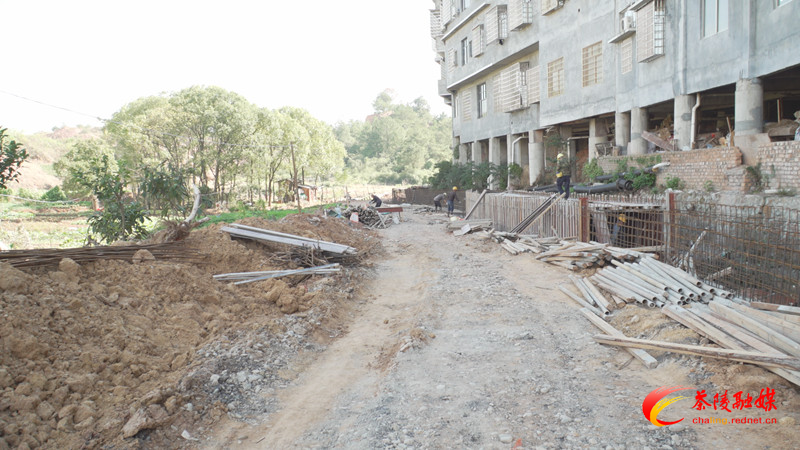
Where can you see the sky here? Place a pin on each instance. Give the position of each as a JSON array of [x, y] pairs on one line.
[[95, 56]]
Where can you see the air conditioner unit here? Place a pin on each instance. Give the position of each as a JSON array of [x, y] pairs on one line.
[[629, 21]]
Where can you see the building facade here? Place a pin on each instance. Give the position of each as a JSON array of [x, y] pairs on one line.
[[525, 77]]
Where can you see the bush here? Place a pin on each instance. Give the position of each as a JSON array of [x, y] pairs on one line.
[[592, 169], [27, 194], [4, 192], [675, 183], [54, 195], [708, 186]]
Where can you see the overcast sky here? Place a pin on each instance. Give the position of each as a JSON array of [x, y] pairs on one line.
[[95, 56]]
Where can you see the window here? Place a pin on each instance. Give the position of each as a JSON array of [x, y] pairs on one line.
[[626, 48], [477, 41], [532, 78], [555, 77], [483, 102], [520, 13], [593, 64], [551, 5], [650, 22], [466, 105], [496, 24], [464, 4], [715, 16], [781, 2], [466, 51], [502, 22]]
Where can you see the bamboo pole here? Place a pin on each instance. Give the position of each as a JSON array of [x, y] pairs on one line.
[[645, 358], [757, 358]]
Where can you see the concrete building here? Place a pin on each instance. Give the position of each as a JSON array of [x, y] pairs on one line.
[[529, 78]]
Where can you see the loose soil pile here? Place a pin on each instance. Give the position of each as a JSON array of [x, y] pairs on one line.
[[103, 354]]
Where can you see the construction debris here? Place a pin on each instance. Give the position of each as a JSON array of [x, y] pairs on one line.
[[260, 234], [249, 277], [367, 215], [53, 256]]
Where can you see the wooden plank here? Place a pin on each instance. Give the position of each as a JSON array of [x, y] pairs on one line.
[[778, 308], [788, 329], [464, 230], [390, 209], [757, 358], [776, 339], [650, 137], [693, 322], [644, 357]]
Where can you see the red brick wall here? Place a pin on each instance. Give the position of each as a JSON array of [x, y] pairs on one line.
[[721, 166]]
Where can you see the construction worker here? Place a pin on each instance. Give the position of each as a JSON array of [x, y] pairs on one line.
[[451, 200], [376, 200], [437, 202], [564, 171], [618, 233]]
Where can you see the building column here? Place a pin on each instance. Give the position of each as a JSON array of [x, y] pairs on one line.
[[597, 135], [536, 155], [622, 130], [638, 145], [477, 152], [749, 107], [683, 120], [494, 158], [566, 133], [462, 153]]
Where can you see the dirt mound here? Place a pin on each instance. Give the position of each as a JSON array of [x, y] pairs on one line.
[[102, 353]]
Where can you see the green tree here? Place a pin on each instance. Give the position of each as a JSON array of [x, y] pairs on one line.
[[75, 167], [12, 157]]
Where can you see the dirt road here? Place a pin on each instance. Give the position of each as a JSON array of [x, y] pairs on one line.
[[456, 344]]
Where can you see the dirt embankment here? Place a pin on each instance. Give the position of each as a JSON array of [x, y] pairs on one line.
[[103, 353]]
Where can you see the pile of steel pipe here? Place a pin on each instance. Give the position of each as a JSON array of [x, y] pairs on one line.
[[654, 283]]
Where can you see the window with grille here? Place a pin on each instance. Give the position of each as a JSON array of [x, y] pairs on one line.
[[466, 105], [477, 41], [534, 94], [483, 102], [549, 6], [502, 21], [715, 16], [555, 77], [650, 21], [497, 93], [520, 13], [593, 64], [626, 49]]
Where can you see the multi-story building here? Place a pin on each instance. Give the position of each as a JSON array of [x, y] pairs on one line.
[[597, 74]]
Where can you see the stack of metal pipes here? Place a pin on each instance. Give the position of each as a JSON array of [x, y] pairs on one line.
[[654, 283]]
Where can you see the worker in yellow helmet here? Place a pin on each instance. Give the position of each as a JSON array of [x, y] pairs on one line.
[[451, 200], [563, 172]]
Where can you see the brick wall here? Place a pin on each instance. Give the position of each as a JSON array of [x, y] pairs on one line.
[[721, 166], [780, 161]]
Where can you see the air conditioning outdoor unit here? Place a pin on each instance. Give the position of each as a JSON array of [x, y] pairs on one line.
[[629, 21]]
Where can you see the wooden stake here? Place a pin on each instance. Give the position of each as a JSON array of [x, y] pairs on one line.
[[758, 358]]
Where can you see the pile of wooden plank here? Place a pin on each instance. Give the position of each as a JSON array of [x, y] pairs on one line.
[[260, 234], [575, 255], [249, 277]]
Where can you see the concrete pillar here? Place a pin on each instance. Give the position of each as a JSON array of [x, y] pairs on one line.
[[462, 153], [683, 120], [495, 157], [566, 133], [477, 152], [597, 135], [638, 145], [749, 107], [622, 130], [536, 155]]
